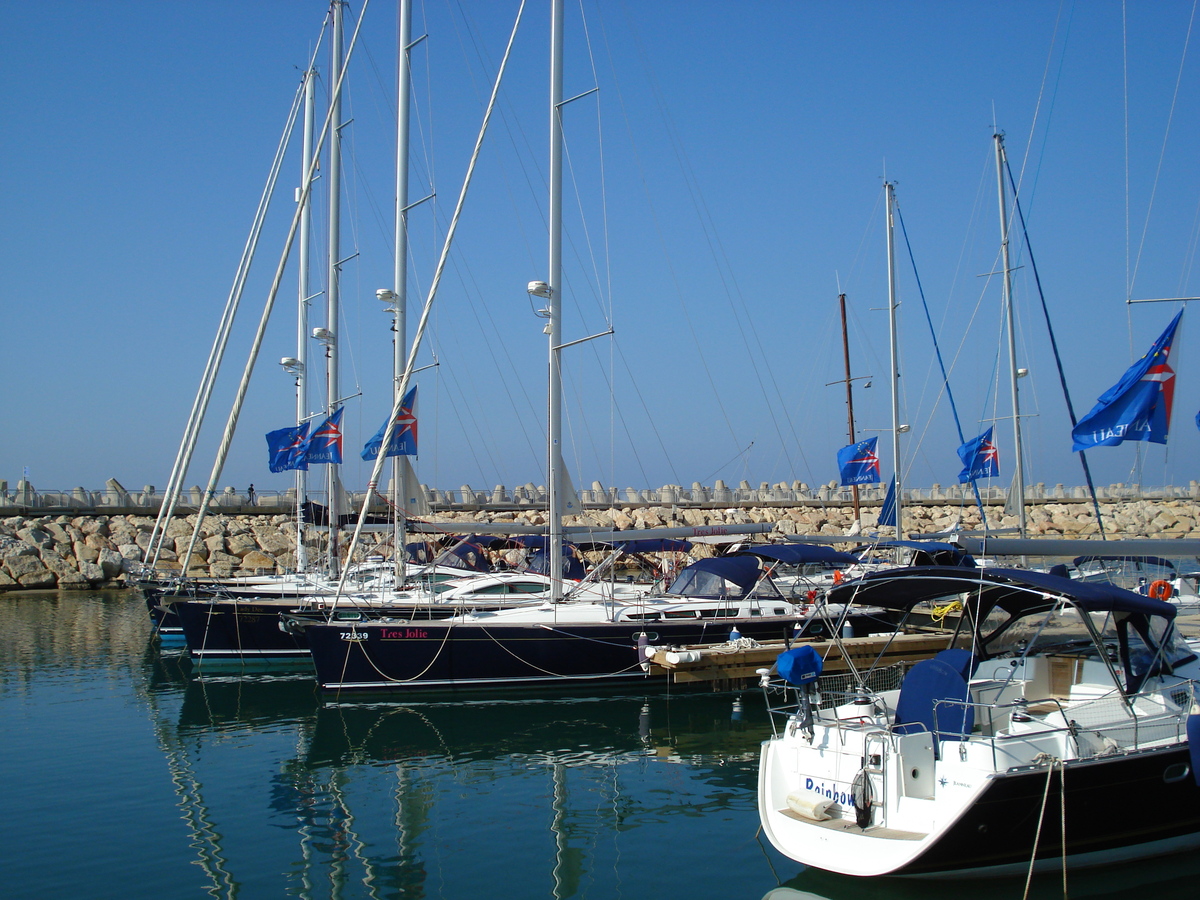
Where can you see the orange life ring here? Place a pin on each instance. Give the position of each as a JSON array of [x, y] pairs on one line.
[[1161, 590], [838, 576]]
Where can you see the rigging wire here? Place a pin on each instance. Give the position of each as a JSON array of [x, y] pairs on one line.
[[1053, 343], [1162, 151], [670, 267], [938, 353]]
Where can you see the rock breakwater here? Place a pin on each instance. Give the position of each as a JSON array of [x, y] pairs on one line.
[[83, 552]]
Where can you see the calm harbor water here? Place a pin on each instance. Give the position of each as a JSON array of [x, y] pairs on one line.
[[123, 774]]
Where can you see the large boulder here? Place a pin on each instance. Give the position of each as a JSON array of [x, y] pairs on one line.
[[241, 544], [130, 551], [111, 563], [91, 572], [36, 537], [256, 559], [29, 572], [98, 542], [66, 574], [274, 543]]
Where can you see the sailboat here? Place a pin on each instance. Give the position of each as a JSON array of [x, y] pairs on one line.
[[562, 640], [1010, 751]]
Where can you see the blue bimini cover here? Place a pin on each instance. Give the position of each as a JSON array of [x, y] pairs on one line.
[[722, 576]]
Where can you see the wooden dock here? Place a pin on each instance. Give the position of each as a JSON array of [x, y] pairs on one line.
[[737, 666]]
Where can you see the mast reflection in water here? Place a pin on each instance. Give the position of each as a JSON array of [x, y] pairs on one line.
[[124, 776], [135, 778]]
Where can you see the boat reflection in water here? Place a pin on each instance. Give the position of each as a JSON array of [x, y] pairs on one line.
[[1168, 876], [153, 782], [510, 798]]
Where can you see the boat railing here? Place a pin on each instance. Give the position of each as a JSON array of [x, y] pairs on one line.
[[831, 691], [1110, 722], [1107, 723]]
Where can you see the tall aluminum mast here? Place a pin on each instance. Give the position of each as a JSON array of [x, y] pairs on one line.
[[304, 252], [333, 397], [554, 301], [400, 275], [1018, 485], [890, 189]]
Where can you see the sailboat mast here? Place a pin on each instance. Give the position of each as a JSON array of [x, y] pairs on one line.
[[400, 275], [554, 304], [890, 189], [332, 315], [1018, 485], [303, 287], [849, 392]]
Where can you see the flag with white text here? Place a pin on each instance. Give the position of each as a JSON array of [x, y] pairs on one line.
[[980, 458], [859, 463], [404, 436], [285, 448], [1138, 407], [325, 444]]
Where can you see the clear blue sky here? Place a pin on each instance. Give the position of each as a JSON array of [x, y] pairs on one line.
[[743, 147]]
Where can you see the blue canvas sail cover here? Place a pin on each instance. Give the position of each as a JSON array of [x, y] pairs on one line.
[[979, 457], [653, 545], [404, 435], [859, 463], [801, 554], [285, 448], [1138, 407]]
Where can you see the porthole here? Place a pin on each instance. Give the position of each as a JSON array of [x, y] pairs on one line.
[[1176, 772]]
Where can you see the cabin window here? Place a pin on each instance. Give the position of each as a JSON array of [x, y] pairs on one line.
[[526, 587], [489, 590]]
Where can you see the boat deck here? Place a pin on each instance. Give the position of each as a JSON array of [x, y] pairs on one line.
[[891, 834]]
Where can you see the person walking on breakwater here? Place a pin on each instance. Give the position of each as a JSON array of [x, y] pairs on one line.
[[250, 495]]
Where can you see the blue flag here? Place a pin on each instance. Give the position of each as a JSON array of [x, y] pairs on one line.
[[859, 464], [887, 512], [404, 437], [284, 448], [979, 457], [325, 444], [1138, 407]]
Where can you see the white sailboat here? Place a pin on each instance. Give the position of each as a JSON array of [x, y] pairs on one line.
[[1001, 755]]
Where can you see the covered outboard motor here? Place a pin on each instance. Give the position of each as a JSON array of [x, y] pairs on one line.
[[801, 667]]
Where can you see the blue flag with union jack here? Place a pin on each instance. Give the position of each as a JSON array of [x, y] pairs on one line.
[[1138, 407], [404, 436], [284, 448], [325, 443], [980, 458], [858, 463]]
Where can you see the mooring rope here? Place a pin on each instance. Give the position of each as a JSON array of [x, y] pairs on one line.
[[1062, 804]]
